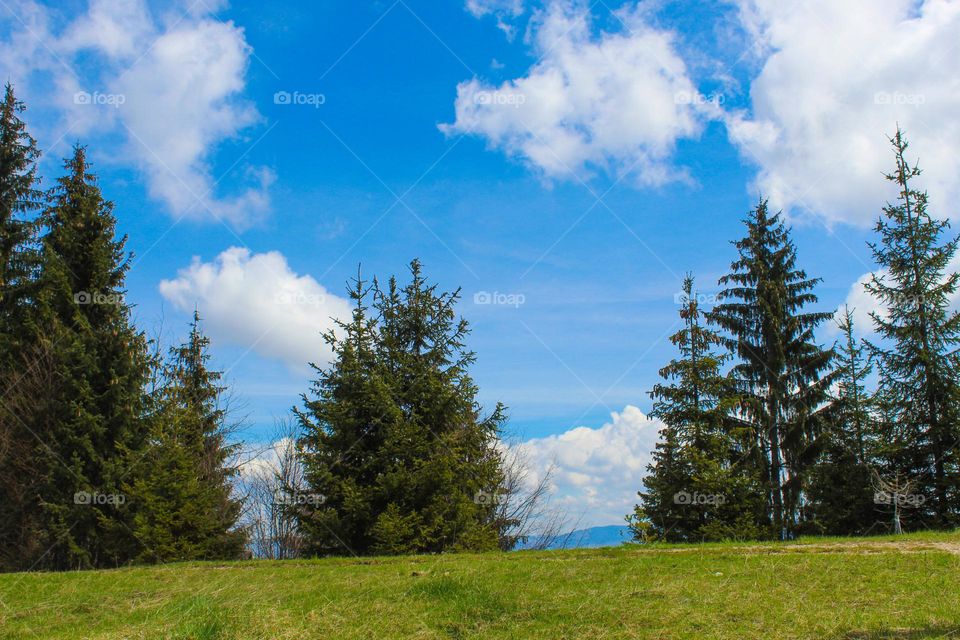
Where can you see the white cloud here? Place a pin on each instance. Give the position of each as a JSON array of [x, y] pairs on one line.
[[861, 304], [119, 28], [184, 85], [480, 8], [171, 86], [616, 102], [836, 80], [264, 462], [597, 472], [258, 301], [503, 10]]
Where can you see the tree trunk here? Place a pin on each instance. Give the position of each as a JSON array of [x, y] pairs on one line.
[[775, 472]]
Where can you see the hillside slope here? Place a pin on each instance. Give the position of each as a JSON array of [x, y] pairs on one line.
[[878, 588]]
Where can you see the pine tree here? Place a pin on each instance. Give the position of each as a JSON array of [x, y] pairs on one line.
[[854, 404], [918, 358], [91, 425], [841, 484], [21, 357], [394, 439], [782, 376], [181, 496], [695, 492], [19, 198], [444, 468], [344, 424], [669, 474]]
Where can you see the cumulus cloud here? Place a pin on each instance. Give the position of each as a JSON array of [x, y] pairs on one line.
[[258, 301], [184, 84], [616, 101], [835, 80], [171, 85], [597, 471]]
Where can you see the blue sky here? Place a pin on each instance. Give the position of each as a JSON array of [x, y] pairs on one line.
[[573, 161]]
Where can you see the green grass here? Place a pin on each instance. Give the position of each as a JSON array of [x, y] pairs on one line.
[[876, 588]]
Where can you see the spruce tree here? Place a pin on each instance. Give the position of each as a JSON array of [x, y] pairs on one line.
[[19, 199], [670, 473], [782, 375], [841, 484], [344, 422], [854, 405], [394, 440], [21, 357], [920, 333], [92, 423], [443, 466], [695, 490], [181, 494]]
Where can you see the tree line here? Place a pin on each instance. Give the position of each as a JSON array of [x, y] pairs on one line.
[[116, 450], [110, 451], [770, 434]]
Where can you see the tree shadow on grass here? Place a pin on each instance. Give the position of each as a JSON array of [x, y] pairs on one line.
[[925, 633]]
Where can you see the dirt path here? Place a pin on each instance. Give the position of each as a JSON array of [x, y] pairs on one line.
[[860, 546]]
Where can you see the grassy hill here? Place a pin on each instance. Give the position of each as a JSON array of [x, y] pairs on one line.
[[880, 588]]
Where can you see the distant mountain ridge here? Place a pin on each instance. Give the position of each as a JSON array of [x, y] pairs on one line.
[[606, 536]]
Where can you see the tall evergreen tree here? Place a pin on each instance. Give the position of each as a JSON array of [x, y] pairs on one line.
[[918, 357], [20, 356], [344, 425], [181, 493], [782, 376], [92, 422], [854, 403], [394, 439], [841, 482], [20, 197], [669, 474], [443, 466], [694, 491]]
